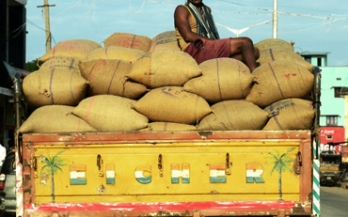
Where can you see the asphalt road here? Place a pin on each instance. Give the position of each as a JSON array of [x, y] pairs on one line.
[[333, 202]]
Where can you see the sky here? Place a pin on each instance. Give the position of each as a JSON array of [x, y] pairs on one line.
[[314, 25]]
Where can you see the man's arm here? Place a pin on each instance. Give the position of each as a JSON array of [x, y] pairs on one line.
[[181, 21]]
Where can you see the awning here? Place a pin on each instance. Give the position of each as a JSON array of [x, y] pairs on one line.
[[5, 91]]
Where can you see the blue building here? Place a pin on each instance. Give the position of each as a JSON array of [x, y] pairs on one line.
[[334, 87]]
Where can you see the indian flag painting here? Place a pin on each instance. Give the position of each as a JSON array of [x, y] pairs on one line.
[[218, 173], [177, 173], [143, 174], [254, 172], [110, 174], [78, 175]]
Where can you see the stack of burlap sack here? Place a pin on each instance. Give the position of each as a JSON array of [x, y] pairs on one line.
[[134, 83]]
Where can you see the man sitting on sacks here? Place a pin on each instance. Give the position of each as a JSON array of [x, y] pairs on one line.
[[197, 35]]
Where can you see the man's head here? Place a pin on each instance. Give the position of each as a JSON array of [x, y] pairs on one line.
[[195, 2]]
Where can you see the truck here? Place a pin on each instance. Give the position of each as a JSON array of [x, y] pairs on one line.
[[169, 173], [330, 169], [333, 166]]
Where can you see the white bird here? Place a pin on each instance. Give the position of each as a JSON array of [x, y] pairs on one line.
[[237, 32]]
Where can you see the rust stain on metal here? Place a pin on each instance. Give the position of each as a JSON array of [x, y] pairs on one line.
[[299, 209], [205, 134], [168, 213]]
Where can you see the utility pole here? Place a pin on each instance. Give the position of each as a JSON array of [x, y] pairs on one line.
[[47, 23], [275, 19]]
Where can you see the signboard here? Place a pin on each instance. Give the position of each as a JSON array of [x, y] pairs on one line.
[[331, 134]]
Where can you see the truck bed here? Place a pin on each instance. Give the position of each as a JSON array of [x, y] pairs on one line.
[[191, 173]]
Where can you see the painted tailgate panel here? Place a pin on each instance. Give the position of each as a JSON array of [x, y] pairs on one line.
[[191, 154], [254, 174]]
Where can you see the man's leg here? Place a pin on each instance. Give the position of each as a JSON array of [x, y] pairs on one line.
[[243, 49]]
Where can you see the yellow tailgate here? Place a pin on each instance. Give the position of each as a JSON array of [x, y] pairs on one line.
[[198, 171]]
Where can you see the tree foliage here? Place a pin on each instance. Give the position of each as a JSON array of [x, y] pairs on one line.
[[31, 66]]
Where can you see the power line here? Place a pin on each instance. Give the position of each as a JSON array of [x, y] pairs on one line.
[[286, 13]]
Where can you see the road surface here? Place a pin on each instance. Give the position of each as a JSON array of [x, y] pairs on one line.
[[334, 202]]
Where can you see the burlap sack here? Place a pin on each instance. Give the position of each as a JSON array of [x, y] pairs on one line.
[[127, 40], [269, 55], [65, 63], [165, 41], [164, 68], [54, 119], [290, 114], [275, 44], [119, 53], [279, 80], [109, 77], [169, 126], [234, 115], [56, 86], [110, 113], [172, 104], [222, 79], [73, 48]]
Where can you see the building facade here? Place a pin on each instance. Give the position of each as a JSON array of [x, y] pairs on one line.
[[334, 87], [12, 51]]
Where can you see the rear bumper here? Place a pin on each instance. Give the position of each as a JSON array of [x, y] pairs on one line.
[[228, 208], [329, 179]]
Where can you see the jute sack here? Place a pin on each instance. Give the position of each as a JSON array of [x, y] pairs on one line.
[[165, 41], [279, 80], [172, 104], [127, 40], [119, 53], [109, 77], [234, 115], [290, 114], [275, 44], [285, 55], [169, 126], [54, 119], [110, 113], [222, 79], [56, 86], [73, 48], [164, 68], [65, 63]]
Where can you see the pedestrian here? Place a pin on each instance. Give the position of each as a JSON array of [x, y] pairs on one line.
[[197, 35]]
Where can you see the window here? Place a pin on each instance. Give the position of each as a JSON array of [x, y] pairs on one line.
[[319, 62], [337, 92], [331, 120], [308, 59]]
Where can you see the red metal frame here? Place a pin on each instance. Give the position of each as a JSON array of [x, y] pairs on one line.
[[245, 208]]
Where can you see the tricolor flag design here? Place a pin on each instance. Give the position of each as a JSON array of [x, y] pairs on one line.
[[218, 173], [110, 174], [143, 174], [78, 175], [254, 172], [177, 173]]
